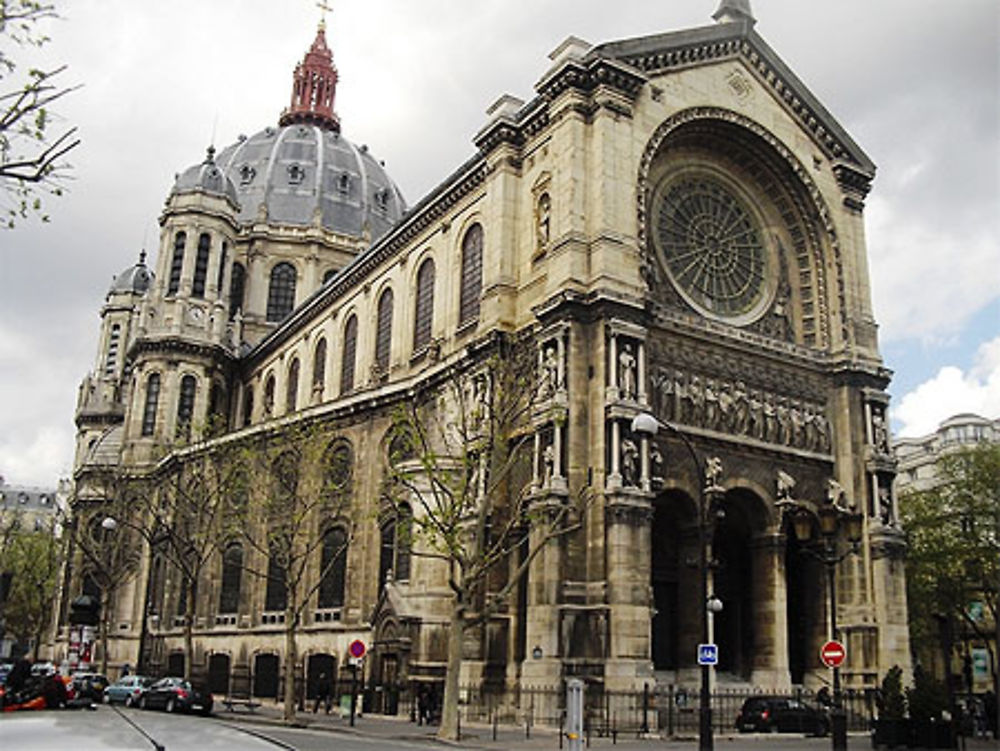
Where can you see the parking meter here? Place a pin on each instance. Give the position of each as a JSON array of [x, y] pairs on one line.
[[574, 714]]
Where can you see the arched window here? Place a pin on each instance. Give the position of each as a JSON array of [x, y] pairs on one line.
[[217, 408], [248, 406], [383, 333], [152, 402], [185, 405], [201, 265], [237, 283], [472, 275], [424, 314], [113, 342], [395, 542], [292, 387], [276, 591], [339, 476], [222, 270], [387, 550], [349, 355], [232, 572], [319, 368], [333, 569], [177, 264], [269, 396], [281, 293]]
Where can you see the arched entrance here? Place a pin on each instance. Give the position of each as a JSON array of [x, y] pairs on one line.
[[736, 582], [806, 587], [265, 676], [674, 583], [320, 664], [218, 673]]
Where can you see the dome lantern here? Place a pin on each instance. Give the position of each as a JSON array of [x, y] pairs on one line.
[[314, 87]]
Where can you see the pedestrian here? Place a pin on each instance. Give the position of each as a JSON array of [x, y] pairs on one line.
[[421, 703], [323, 693], [823, 697]]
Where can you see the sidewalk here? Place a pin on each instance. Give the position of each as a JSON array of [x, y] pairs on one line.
[[510, 738]]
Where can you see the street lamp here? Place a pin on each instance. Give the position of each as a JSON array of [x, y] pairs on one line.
[[832, 519], [708, 473]]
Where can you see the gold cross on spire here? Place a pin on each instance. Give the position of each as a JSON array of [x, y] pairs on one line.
[[324, 9]]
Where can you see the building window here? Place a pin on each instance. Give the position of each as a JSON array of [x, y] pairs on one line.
[[185, 405], [248, 406], [383, 332], [113, 341], [201, 265], [319, 368], [237, 283], [333, 569], [349, 355], [232, 570], [152, 400], [472, 275], [424, 315], [177, 264], [220, 278], [269, 396], [281, 293], [292, 387], [394, 554], [276, 592]]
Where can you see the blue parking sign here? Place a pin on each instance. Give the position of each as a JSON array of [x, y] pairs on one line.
[[708, 654]]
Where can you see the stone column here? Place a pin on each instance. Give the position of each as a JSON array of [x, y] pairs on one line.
[[615, 476], [770, 661]]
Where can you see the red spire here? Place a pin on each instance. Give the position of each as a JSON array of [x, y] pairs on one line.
[[314, 86]]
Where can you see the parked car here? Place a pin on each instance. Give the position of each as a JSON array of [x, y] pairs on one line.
[[176, 695], [89, 685], [128, 690], [781, 714]]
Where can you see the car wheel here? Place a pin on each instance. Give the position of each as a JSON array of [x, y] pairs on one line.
[[171, 705]]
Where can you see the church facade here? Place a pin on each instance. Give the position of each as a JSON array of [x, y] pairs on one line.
[[677, 224]]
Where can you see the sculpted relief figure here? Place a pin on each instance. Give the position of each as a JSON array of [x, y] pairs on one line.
[[626, 372], [755, 416], [879, 433], [663, 394], [630, 463], [741, 409], [770, 420], [785, 485], [711, 405], [549, 380]]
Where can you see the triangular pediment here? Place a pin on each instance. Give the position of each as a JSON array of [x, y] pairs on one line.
[[660, 53]]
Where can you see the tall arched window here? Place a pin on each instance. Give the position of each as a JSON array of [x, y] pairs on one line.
[[201, 265], [423, 316], [114, 339], [152, 402], [269, 396], [404, 537], [232, 572], [185, 405], [395, 535], [349, 355], [281, 293], [248, 406], [177, 264], [319, 368], [222, 270], [383, 332], [472, 275], [333, 569], [292, 387], [387, 550], [276, 590], [237, 284]]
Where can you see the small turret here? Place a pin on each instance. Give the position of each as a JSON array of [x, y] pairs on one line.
[[731, 11], [314, 88]]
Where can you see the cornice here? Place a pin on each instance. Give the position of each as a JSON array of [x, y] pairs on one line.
[[178, 345]]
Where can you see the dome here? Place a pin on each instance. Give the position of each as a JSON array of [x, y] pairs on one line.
[[300, 171], [134, 279], [207, 178]]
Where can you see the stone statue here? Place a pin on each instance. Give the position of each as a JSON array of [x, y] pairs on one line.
[[543, 222], [550, 372], [786, 484], [879, 433], [548, 462], [713, 473], [630, 463], [835, 495], [626, 362]]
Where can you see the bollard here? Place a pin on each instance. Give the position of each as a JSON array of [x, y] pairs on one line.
[[574, 714]]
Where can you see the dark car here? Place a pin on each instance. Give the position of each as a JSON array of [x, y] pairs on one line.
[[89, 685], [128, 689], [176, 695], [781, 714]]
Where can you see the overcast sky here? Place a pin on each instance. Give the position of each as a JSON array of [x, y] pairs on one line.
[[915, 82]]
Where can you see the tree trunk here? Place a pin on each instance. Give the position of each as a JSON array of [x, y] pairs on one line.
[[105, 620], [449, 729], [189, 608], [291, 658]]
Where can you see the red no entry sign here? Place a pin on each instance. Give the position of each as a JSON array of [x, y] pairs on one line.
[[357, 649], [833, 654]]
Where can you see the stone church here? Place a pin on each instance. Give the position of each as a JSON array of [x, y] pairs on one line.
[[677, 224]]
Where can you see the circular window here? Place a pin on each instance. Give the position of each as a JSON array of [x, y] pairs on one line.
[[710, 245]]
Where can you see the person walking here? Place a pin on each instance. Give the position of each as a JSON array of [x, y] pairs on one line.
[[324, 693]]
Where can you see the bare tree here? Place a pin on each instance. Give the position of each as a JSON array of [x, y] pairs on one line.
[[463, 458], [31, 154], [300, 526]]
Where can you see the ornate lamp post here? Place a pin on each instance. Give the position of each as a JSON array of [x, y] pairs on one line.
[[708, 473], [832, 519]]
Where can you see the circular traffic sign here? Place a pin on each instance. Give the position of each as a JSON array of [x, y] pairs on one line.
[[833, 654], [357, 649]]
